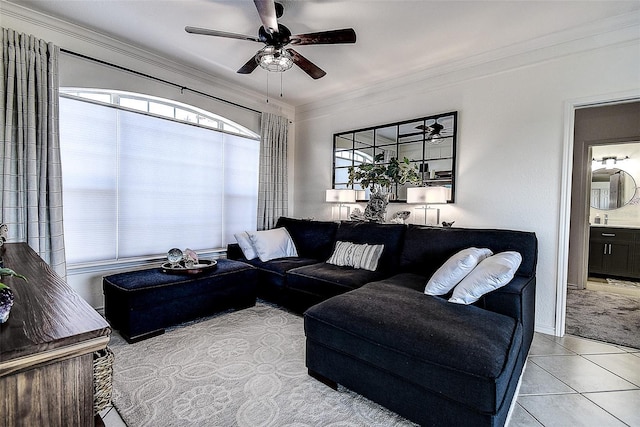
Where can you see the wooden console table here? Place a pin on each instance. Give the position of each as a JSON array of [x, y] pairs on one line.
[[46, 347]]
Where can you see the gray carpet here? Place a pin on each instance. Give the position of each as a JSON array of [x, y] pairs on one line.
[[242, 368], [604, 316]]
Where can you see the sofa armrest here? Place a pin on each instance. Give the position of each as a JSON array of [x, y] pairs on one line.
[[234, 252], [518, 300]]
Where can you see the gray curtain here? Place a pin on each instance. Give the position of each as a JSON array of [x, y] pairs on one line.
[[272, 186], [31, 194]]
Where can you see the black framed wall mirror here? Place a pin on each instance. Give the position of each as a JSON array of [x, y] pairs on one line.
[[429, 143]]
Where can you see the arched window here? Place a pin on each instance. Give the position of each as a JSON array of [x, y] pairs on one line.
[[161, 107], [142, 175]]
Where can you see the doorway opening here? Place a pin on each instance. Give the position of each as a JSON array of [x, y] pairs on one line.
[[614, 204], [602, 298]]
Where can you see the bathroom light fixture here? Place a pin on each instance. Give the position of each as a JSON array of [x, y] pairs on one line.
[[426, 196], [274, 59], [608, 162], [340, 197]]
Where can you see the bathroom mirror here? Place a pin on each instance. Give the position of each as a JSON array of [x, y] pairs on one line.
[[611, 188], [428, 142]]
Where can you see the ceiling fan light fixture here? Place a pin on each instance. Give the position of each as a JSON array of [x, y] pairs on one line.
[[274, 59], [436, 128], [432, 132]]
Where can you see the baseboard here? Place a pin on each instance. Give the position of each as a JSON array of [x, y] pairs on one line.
[[548, 330]]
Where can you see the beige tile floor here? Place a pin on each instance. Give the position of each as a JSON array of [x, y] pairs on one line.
[[573, 381], [568, 381]]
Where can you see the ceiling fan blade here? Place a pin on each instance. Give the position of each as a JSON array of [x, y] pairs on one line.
[[248, 68], [207, 32], [307, 66], [267, 12], [346, 35]]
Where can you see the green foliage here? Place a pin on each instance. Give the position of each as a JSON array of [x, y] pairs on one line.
[[377, 174], [9, 272]]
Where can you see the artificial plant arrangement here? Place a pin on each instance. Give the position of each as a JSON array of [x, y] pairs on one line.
[[6, 295], [381, 177]]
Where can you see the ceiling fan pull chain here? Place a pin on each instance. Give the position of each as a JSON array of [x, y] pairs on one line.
[[267, 88], [281, 85]]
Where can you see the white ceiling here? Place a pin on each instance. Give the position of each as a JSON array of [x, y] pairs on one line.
[[395, 38]]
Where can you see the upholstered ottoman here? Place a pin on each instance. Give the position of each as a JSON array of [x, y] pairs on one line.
[[140, 304], [431, 361]]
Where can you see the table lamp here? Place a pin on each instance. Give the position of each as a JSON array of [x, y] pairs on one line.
[[340, 197], [426, 196]]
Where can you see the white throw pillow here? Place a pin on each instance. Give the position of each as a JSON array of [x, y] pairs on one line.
[[245, 245], [361, 256], [492, 273], [454, 270], [271, 244]]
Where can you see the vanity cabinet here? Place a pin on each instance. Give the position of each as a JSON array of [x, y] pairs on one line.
[[614, 251]]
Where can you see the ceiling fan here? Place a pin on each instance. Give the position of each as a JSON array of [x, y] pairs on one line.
[[275, 36], [435, 132]]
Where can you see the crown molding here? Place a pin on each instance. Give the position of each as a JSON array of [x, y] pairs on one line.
[[616, 30], [79, 39]]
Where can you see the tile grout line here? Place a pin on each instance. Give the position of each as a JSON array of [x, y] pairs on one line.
[[595, 403], [611, 372], [530, 414], [582, 394], [542, 394]]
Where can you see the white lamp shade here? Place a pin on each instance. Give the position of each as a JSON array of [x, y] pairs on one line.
[[427, 195], [341, 196]]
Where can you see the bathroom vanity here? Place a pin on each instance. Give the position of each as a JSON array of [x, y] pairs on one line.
[[614, 251]]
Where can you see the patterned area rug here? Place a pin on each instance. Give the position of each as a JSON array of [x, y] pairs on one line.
[[604, 316], [242, 368]]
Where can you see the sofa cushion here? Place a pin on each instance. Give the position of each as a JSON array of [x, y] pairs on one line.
[[280, 266], [456, 268], [492, 273], [427, 248], [272, 275], [327, 280], [462, 352], [389, 235], [272, 244], [313, 239], [406, 280], [354, 255], [244, 242]]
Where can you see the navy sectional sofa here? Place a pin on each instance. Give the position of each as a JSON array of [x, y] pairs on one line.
[[300, 282], [377, 333]]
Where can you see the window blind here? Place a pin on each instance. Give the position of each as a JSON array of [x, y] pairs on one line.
[[136, 185]]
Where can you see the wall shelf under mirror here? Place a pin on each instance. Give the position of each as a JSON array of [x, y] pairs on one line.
[[428, 142]]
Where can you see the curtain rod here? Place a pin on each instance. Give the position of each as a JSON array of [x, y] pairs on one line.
[[138, 73]]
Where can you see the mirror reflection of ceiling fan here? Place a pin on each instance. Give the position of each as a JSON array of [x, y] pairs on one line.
[[274, 56], [436, 132]]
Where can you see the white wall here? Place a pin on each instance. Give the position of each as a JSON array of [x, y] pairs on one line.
[[511, 139]]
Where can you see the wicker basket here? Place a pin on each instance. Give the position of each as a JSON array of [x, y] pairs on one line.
[[102, 378]]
